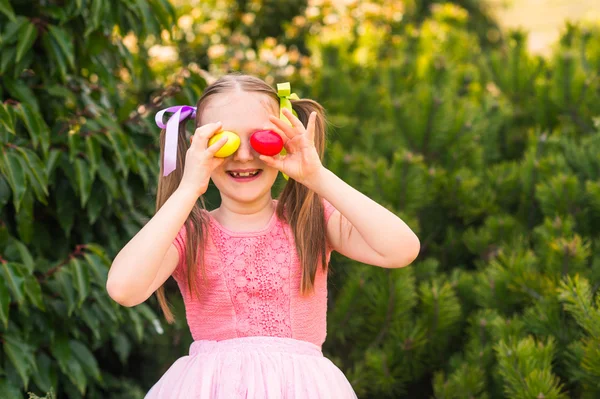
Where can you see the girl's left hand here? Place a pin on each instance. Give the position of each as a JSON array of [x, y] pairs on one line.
[[302, 162]]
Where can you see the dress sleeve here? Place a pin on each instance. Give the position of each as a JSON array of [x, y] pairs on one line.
[[180, 271]]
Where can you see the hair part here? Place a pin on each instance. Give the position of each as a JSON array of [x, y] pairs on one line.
[[300, 207]]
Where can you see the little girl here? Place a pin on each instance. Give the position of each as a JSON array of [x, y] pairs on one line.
[[253, 272]]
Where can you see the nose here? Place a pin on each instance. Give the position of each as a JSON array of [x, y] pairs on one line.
[[245, 153]]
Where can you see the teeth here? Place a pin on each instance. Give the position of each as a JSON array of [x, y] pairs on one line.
[[244, 174]]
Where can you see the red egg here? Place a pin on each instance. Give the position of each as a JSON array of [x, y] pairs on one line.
[[266, 142]]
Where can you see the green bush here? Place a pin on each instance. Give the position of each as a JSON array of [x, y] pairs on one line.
[[78, 166], [491, 157]]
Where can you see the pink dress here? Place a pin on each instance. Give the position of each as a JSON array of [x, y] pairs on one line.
[[254, 335]]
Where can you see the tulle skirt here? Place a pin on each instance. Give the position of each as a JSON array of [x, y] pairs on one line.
[[253, 367]]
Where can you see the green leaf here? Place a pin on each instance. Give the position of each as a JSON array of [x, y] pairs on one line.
[[53, 51], [138, 325], [51, 162], [20, 355], [98, 268], [148, 22], [96, 13], [62, 93], [7, 59], [37, 127], [127, 193], [65, 43], [6, 9], [46, 378], [96, 204], [118, 142], [12, 168], [81, 279], [25, 220], [63, 277], [22, 66], [4, 192], [7, 117], [110, 180], [84, 181], [27, 35], [26, 257], [68, 363], [99, 251], [36, 172], [141, 167], [4, 303], [108, 306], [86, 359], [65, 203], [146, 312], [122, 345], [74, 142], [91, 321], [9, 391], [164, 12], [93, 151], [34, 292], [20, 91], [13, 277]]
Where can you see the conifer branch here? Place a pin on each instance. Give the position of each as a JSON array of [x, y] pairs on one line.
[[578, 120], [390, 311], [434, 106]]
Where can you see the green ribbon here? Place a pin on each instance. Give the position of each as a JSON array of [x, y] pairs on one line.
[[284, 92]]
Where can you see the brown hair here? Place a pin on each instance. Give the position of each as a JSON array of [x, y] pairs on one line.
[[299, 206]]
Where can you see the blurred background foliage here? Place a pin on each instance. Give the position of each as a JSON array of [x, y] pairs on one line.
[[487, 150]]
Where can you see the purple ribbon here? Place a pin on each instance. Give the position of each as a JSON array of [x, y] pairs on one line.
[[181, 113]]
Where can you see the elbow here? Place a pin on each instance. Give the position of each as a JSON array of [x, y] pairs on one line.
[[407, 255], [120, 294]]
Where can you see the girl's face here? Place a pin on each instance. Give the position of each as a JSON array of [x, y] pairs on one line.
[[242, 113]]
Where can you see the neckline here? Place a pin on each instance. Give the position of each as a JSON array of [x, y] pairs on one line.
[[232, 233]]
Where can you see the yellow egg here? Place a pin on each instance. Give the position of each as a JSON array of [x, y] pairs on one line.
[[230, 147]]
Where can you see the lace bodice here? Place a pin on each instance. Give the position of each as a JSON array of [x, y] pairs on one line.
[[253, 286]]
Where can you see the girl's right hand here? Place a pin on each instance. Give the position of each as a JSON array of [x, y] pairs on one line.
[[200, 161]]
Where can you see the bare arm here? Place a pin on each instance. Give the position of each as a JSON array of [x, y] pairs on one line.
[[149, 258], [135, 269], [370, 233]]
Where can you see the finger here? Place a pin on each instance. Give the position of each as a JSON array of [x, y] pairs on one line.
[[216, 146], [293, 119], [280, 132], [273, 162], [310, 129], [286, 129], [204, 133]]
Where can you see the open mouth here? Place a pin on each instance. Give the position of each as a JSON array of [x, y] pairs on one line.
[[246, 175]]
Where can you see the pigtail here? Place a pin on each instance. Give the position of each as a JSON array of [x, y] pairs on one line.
[[196, 222], [303, 208]]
